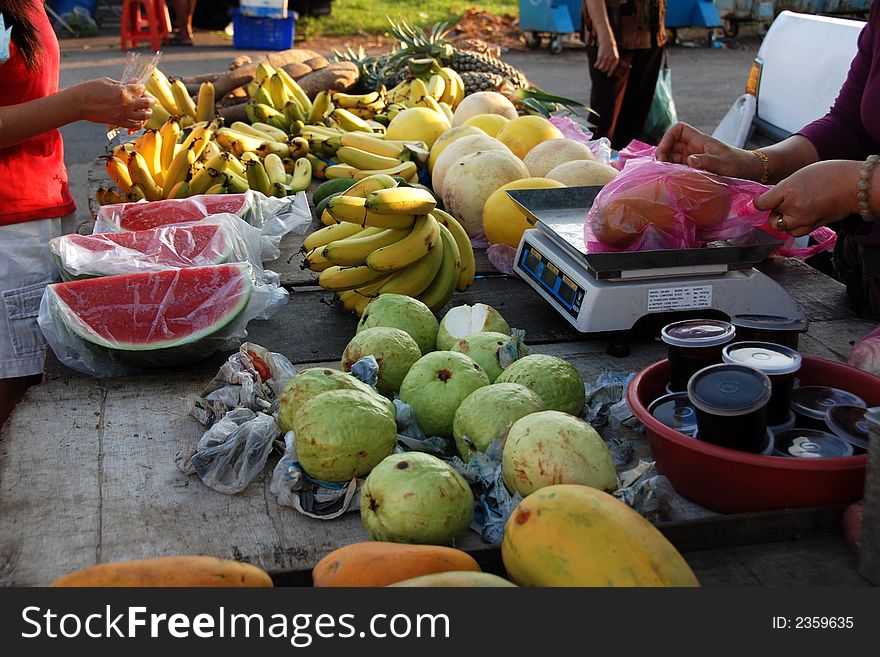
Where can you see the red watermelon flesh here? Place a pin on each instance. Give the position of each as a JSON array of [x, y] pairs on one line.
[[153, 310], [141, 216], [106, 254]]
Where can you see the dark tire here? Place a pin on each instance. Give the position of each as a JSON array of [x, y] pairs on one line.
[[731, 27], [533, 40], [555, 45]]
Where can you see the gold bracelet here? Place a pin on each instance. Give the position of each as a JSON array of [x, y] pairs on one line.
[[765, 163], [864, 187]]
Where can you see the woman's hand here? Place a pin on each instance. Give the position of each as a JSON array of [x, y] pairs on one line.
[[113, 103], [608, 57], [816, 195], [684, 144]]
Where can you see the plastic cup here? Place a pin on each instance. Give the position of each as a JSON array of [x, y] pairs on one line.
[[811, 403], [811, 444], [694, 344], [731, 402], [769, 442], [675, 411], [778, 362], [769, 328]]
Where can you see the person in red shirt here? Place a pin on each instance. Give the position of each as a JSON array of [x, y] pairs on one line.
[[35, 201], [827, 173]]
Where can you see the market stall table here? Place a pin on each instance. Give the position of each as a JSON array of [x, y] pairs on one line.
[[87, 471]]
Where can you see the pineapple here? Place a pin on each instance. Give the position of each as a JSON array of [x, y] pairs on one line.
[[476, 81]]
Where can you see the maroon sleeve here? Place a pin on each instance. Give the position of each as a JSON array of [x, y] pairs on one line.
[[840, 134]]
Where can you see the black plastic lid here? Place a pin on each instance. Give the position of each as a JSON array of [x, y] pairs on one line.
[[697, 333], [770, 323], [729, 389], [814, 401], [811, 444], [675, 411], [772, 359], [849, 423]]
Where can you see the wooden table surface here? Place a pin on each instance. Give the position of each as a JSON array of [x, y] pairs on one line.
[[87, 470]]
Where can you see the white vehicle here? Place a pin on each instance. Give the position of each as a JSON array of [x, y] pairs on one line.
[[800, 67]]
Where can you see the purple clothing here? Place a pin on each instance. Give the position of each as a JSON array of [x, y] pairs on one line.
[[851, 129]]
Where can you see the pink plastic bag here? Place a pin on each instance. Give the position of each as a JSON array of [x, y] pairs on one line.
[[865, 354]]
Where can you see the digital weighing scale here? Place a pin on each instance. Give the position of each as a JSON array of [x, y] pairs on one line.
[[599, 292]]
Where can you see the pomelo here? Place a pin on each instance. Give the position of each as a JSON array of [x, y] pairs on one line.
[[447, 138], [483, 102], [491, 124], [549, 154], [458, 149], [417, 124], [582, 173], [525, 132], [504, 221]]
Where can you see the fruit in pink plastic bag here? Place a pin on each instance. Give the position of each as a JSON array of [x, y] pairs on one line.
[[865, 355], [622, 217], [701, 197]]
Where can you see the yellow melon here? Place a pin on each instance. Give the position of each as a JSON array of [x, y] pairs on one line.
[[417, 124], [582, 173], [447, 138], [504, 222], [457, 150], [523, 133], [571, 535], [549, 154], [491, 124], [483, 102]]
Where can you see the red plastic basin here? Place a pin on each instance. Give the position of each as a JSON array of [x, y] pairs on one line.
[[730, 481]]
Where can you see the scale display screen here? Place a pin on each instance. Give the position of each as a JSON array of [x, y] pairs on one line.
[[559, 286]]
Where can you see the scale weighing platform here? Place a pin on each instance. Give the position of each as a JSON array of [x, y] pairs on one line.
[[600, 292]]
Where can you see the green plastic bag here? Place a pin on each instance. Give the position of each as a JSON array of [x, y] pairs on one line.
[[662, 115]]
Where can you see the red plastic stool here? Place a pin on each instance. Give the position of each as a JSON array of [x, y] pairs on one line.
[[145, 20]]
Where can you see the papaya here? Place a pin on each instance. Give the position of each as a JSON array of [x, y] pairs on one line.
[[168, 572], [377, 563], [456, 579], [572, 535]]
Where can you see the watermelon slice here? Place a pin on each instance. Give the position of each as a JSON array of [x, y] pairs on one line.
[[142, 216], [152, 312], [170, 247]]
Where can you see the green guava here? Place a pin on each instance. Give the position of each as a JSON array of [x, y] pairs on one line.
[[436, 385], [547, 448], [394, 350], [313, 381], [493, 351], [405, 313], [343, 434], [556, 381], [416, 498], [463, 321], [488, 413]]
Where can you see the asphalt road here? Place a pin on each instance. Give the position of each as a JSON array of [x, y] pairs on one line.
[[705, 82]]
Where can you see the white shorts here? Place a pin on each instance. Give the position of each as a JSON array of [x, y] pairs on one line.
[[26, 267]]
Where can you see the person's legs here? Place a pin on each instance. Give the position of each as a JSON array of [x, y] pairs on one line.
[[11, 392], [636, 102], [606, 94], [183, 14]]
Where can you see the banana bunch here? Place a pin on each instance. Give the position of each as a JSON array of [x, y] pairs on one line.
[[174, 100], [389, 239], [279, 101], [365, 106], [442, 92]]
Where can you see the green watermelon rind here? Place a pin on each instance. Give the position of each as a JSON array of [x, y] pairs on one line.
[[64, 314]]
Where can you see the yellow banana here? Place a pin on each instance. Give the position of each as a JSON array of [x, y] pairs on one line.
[[417, 91], [405, 170], [264, 72], [182, 98], [294, 112], [356, 250], [234, 164], [458, 95], [158, 86], [416, 278], [465, 250], [219, 188], [170, 134], [401, 200], [349, 122], [441, 289], [302, 175], [348, 101], [424, 236], [315, 261], [364, 160], [118, 172], [449, 87], [212, 149], [335, 171], [327, 219], [274, 168], [106, 196], [257, 177], [134, 194], [158, 118], [364, 295], [399, 94], [151, 149], [298, 147], [320, 130], [296, 91], [141, 176], [205, 106], [447, 111], [353, 210], [374, 145], [266, 147], [270, 132], [436, 86], [364, 187], [237, 183], [347, 300], [321, 107], [180, 190], [179, 169], [324, 236], [278, 91], [319, 166], [347, 278], [204, 179]]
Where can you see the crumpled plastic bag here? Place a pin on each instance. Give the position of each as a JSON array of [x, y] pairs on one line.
[[662, 205], [646, 491], [502, 257], [274, 217], [571, 129], [232, 452], [605, 405], [5, 40], [252, 378], [865, 354]]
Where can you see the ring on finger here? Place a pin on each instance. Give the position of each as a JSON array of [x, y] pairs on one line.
[[781, 225]]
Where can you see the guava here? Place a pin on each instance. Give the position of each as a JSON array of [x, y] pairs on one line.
[[436, 385], [547, 448], [394, 350], [556, 381], [313, 381], [343, 434], [493, 351], [488, 413], [415, 497], [405, 313], [463, 321]]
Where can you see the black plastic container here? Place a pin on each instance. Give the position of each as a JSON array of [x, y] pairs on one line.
[[811, 444], [675, 411], [849, 423], [769, 328], [811, 403], [769, 444], [692, 345], [778, 362], [788, 424], [731, 402]]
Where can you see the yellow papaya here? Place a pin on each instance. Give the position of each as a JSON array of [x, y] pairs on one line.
[[456, 579], [168, 572], [571, 535]]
